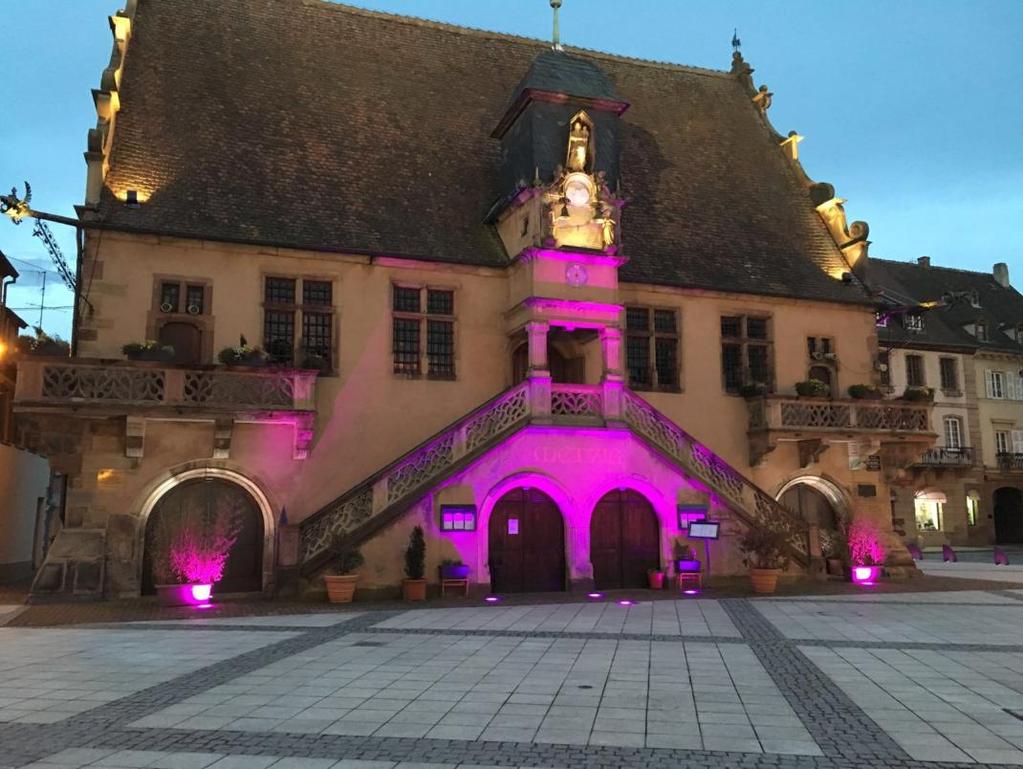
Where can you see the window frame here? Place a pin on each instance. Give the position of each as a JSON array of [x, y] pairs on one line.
[[745, 342], [972, 508], [923, 370], [946, 362], [423, 318], [948, 420], [650, 335], [156, 318], [299, 309], [913, 322]]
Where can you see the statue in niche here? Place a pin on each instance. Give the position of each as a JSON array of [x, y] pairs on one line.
[[578, 145]]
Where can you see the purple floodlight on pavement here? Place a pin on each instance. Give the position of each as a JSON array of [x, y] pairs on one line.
[[865, 575], [492, 599], [595, 596], [626, 602], [691, 591]]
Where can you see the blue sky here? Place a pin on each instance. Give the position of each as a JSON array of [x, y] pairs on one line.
[[912, 109]]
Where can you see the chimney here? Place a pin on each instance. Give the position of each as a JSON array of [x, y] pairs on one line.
[[923, 261], [1001, 273]]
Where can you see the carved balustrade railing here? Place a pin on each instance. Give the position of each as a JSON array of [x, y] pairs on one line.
[[1008, 460], [585, 402], [81, 382], [779, 412], [754, 506]]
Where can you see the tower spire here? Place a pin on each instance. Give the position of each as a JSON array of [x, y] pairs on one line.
[[556, 5]]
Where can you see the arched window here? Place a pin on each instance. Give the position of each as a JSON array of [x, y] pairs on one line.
[[929, 507]]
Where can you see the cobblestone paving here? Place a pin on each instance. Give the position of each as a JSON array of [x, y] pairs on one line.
[[571, 685]]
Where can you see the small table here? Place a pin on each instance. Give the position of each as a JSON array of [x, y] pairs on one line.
[[461, 584], [684, 578]]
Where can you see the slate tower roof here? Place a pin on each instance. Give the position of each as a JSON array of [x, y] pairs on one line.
[[306, 124]]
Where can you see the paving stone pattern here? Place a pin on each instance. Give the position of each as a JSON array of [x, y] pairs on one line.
[[690, 684]]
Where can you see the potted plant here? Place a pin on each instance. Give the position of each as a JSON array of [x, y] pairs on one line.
[[190, 552], [765, 552], [866, 553], [865, 392], [655, 578], [316, 362], [835, 549], [453, 568], [685, 558], [341, 586], [148, 350], [918, 394], [413, 588], [812, 388], [242, 355]]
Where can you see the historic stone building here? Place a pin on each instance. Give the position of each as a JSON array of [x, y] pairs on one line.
[[959, 334], [548, 304]]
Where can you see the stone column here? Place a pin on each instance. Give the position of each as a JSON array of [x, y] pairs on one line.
[[536, 332], [613, 380]]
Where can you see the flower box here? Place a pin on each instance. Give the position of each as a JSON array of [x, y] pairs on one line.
[[687, 565], [193, 594], [454, 571]]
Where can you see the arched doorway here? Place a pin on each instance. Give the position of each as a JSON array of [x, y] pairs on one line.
[[1008, 512], [564, 370], [185, 338], [206, 506], [527, 543], [812, 505], [823, 374], [624, 540]]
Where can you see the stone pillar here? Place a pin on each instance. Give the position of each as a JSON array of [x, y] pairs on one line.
[[611, 345], [536, 331]]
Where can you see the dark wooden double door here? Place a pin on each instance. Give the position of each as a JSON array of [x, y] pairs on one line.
[[527, 544], [207, 506], [624, 541]]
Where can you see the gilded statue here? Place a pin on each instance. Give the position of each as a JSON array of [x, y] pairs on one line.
[[578, 145]]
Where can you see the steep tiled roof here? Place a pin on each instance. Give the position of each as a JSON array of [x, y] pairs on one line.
[[307, 124], [909, 282]]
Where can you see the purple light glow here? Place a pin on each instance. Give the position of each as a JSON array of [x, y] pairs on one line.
[[492, 599], [201, 593], [595, 596], [691, 591], [865, 575], [626, 602]]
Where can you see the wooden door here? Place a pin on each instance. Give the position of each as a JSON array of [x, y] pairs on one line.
[[624, 540], [202, 505], [185, 338], [527, 544], [1008, 515], [805, 501]]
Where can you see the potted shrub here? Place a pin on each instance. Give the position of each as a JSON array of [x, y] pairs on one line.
[[413, 588], [453, 568], [148, 350], [341, 586], [865, 392], [765, 552], [835, 549], [812, 388], [866, 553], [685, 558], [918, 394], [655, 578], [190, 552], [242, 355], [316, 363]]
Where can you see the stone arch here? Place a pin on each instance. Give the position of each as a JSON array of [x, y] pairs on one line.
[[832, 493], [161, 488]]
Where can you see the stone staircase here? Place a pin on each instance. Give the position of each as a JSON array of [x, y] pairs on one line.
[[383, 497]]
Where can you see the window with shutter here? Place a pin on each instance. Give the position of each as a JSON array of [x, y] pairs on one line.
[[995, 381], [953, 433], [1017, 441]]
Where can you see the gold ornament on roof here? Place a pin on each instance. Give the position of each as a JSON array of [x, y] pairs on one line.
[[578, 145]]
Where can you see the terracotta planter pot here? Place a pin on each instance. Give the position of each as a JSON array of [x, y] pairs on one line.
[[656, 580], [413, 589], [183, 595], [764, 580], [340, 588]]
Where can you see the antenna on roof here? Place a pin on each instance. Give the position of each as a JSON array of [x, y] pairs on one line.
[[736, 42], [556, 4]]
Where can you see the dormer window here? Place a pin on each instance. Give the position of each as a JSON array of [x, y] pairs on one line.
[[914, 322], [975, 298], [980, 331], [881, 319]]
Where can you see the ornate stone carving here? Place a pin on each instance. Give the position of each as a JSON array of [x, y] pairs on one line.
[[222, 388], [762, 99], [577, 401], [103, 384]]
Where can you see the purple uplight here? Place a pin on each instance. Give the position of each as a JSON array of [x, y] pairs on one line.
[[865, 575], [201, 593], [595, 596], [691, 591], [626, 602], [492, 599]]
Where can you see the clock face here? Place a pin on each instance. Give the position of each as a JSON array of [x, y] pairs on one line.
[[575, 275]]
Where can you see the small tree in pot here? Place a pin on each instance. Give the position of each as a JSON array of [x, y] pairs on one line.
[[341, 586], [413, 588], [765, 552]]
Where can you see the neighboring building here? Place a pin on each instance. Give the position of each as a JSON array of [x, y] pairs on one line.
[[24, 475], [415, 219], [960, 334]]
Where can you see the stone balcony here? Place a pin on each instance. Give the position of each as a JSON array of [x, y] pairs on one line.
[[941, 456], [815, 423], [88, 388], [1010, 462]]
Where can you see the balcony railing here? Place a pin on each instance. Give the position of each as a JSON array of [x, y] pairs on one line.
[[1008, 460], [946, 457], [779, 412], [121, 384]]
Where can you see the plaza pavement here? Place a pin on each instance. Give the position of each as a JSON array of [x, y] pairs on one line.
[[869, 679]]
